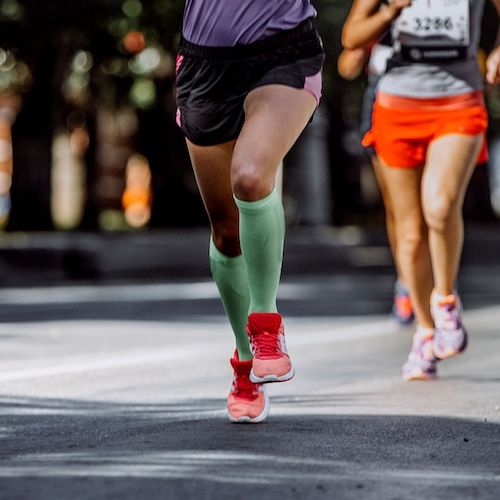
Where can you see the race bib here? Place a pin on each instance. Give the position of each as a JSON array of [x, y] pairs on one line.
[[434, 30]]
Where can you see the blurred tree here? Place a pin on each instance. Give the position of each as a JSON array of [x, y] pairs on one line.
[[91, 58], [85, 56]]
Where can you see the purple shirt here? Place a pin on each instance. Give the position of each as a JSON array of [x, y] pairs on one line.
[[223, 23]]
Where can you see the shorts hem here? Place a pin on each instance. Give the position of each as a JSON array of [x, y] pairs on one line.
[[207, 142]]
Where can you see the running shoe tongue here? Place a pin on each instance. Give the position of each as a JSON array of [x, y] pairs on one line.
[[241, 367], [264, 322]]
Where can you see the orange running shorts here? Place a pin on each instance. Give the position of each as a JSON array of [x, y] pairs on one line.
[[403, 128]]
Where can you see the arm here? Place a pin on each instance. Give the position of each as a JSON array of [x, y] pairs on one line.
[[368, 19], [351, 63], [493, 61], [493, 66]]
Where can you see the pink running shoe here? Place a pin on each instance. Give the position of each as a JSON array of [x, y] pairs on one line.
[[402, 308], [247, 403], [450, 337], [421, 363], [271, 362]]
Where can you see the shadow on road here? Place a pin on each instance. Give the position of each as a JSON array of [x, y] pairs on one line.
[[57, 448]]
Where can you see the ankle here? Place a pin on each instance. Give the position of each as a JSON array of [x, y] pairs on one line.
[[424, 332]]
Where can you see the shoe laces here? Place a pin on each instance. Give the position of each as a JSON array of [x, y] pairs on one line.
[[266, 345]]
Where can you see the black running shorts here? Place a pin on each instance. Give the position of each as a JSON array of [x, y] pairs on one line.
[[213, 82]]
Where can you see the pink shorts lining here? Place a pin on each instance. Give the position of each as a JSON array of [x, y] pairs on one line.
[[313, 85]]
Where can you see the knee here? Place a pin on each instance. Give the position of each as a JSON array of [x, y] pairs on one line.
[[439, 211], [248, 180], [412, 242]]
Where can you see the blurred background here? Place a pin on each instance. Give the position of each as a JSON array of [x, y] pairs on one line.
[[88, 140]]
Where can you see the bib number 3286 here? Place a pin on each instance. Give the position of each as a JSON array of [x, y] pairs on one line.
[[435, 24]]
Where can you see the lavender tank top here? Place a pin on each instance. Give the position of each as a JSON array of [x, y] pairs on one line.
[[224, 23]]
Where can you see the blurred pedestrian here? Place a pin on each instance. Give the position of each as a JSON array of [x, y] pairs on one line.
[[428, 130], [248, 82], [351, 64]]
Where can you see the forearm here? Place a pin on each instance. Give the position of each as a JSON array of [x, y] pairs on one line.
[[351, 63], [360, 32], [496, 3], [493, 61]]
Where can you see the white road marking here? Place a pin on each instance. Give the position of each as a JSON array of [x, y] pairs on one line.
[[133, 293], [318, 332], [83, 365], [107, 293]]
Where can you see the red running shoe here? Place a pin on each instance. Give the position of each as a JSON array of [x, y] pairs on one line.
[[247, 403], [271, 362]]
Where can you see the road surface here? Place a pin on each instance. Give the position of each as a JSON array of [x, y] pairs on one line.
[[118, 391]]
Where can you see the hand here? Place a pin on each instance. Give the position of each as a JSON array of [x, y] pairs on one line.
[[394, 8], [493, 66]]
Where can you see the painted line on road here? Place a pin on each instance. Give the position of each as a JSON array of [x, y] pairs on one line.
[[90, 364], [328, 335], [132, 293], [107, 293]]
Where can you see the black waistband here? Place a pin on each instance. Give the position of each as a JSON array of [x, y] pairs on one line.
[[238, 51]]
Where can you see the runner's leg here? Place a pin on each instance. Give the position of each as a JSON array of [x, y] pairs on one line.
[[402, 309], [451, 159], [275, 115], [450, 162], [379, 170], [403, 186], [212, 170]]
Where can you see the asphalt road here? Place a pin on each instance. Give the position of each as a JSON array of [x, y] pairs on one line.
[[118, 391]]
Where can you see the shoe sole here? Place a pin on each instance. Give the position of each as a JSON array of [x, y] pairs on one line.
[[419, 376], [269, 379], [255, 420]]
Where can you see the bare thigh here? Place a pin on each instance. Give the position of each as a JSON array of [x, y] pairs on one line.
[[275, 115], [450, 162], [380, 171], [402, 187]]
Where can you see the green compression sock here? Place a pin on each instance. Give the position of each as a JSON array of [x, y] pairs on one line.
[[262, 233], [230, 275]]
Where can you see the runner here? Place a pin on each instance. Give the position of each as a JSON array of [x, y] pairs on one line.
[[429, 122], [248, 82], [350, 65]]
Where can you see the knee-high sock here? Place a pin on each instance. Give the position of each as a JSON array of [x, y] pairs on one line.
[[262, 233], [230, 275]]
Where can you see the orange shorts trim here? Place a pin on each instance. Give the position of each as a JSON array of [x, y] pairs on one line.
[[403, 128]]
